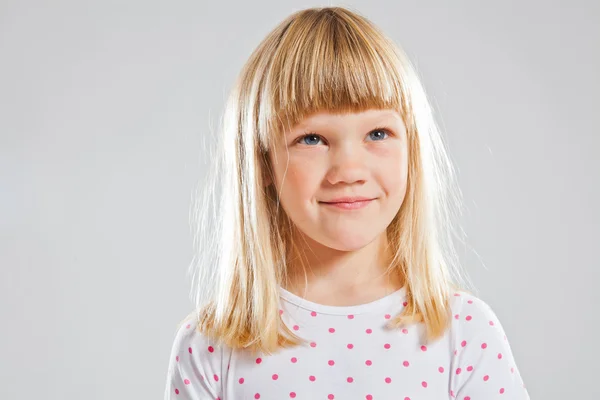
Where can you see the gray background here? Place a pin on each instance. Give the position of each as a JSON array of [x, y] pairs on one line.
[[102, 109]]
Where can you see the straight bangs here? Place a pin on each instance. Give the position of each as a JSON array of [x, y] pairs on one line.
[[336, 65]]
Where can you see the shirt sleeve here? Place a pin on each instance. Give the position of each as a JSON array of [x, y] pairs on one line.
[[194, 366], [483, 365]]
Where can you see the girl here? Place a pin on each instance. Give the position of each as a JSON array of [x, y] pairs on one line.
[[334, 273]]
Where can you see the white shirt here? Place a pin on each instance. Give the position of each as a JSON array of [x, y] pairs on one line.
[[352, 355]]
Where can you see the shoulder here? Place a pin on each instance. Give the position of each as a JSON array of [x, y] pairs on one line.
[[469, 310], [194, 364], [190, 341], [475, 325], [187, 333], [483, 364]]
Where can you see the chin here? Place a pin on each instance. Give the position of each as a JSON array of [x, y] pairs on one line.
[[348, 242]]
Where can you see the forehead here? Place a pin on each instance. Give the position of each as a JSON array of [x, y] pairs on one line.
[[366, 118]]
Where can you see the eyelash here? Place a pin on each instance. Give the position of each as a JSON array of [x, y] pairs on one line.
[[381, 128]]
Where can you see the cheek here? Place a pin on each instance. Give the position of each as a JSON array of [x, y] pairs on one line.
[[396, 161], [301, 181], [297, 180]]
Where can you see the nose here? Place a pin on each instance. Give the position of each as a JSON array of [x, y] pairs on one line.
[[348, 163]]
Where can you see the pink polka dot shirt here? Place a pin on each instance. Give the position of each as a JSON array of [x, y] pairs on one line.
[[350, 354]]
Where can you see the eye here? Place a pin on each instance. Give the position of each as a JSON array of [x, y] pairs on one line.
[[308, 135], [382, 132]]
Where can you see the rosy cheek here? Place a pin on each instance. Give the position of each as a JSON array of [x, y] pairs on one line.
[[298, 180]]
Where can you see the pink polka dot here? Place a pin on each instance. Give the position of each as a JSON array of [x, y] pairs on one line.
[[313, 344], [216, 377], [407, 398], [331, 330], [458, 371], [350, 346], [294, 359], [405, 331], [369, 362], [369, 397], [424, 348], [463, 343], [483, 345], [275, 377], [470, 301], [424, 384], [492, 323], [280, 311], [257, 396], [457, 294], [293, 395], [211, 349], [467, 397], [190, 350], [312, 314], [469, 318], [486, 378], [501, 390], [350, 380], [330, 396], [187, 326], [312, 378], [456, 316], [241, 380], [470, 368], [512, 370], [186, 381], [369, 331], [405, 303], [176, 391], [387, 346], [258, 360], [499, 356], [441, 369], [388, 380], [388, 316], [296, 327], [331, 362], [350, 316], [177, 358]]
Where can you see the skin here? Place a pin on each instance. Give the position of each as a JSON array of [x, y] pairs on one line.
[[346, 156]]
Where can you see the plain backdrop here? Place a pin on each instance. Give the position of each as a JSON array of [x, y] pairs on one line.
[[103, 106]]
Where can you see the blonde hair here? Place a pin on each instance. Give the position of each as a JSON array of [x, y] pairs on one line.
[[317, 59]]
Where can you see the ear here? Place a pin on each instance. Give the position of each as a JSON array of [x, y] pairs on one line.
[[266, 173], [267, 181]]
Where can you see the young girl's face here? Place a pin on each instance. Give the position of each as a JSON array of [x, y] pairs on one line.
[[329, 156]]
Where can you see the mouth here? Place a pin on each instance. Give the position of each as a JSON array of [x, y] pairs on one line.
[[348, 205]]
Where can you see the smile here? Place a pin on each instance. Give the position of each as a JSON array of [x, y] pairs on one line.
[[349, 205]]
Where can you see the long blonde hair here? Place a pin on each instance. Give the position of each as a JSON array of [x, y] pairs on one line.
[[318, 59]]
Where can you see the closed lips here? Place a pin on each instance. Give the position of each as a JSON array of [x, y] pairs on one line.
[[348, 200]]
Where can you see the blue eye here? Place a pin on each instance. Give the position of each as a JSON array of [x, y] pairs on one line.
[[310, 135], [316, 137], [379, 130]]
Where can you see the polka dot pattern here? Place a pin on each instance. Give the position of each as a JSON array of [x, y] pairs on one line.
[[350, 353]]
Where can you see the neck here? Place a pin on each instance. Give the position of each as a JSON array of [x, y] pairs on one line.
[[346, 276]]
